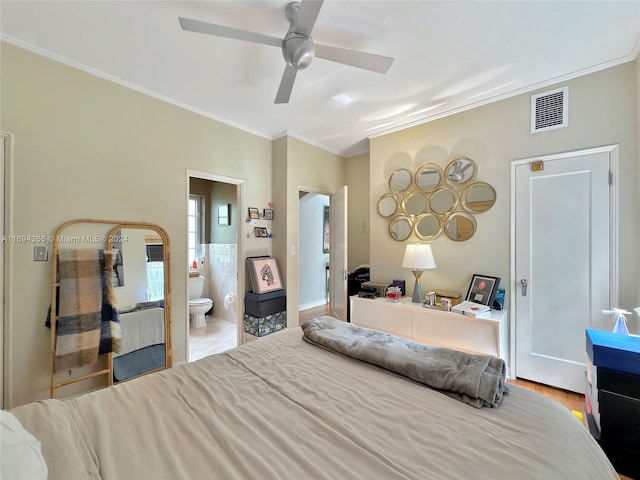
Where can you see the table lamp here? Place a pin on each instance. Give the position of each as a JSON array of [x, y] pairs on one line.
[[418, 257]]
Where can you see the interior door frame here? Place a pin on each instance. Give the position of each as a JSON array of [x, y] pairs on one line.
[[240, 242], [613, 152], [6, 227], [319, 191]]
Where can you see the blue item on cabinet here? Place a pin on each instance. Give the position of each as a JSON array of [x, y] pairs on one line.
[[614, 351], [498, 301]]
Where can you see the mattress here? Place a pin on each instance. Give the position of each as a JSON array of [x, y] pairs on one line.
[[280, 408]]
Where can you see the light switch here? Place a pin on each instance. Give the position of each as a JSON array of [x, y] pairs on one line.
[[40, 253]]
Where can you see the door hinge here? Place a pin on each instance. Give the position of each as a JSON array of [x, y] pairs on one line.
[[610, 178]]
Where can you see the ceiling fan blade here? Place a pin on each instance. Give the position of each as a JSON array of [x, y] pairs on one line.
[[354, 58], [309, 10], [286, 84], [228, 32]]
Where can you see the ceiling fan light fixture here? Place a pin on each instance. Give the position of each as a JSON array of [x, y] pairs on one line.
[[298, 50]]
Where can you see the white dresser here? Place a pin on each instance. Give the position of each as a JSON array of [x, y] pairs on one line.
[[487, 335]]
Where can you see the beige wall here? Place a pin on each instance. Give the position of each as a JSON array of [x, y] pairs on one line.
[[89, 148], [358, 210], [602, 111], [298, 164]]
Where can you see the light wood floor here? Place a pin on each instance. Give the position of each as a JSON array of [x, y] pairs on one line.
[[218, 336]]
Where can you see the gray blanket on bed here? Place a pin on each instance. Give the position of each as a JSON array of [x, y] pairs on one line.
[[474, 379]]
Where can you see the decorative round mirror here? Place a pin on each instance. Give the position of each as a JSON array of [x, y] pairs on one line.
[[414, 203], [427, 227], [442, 201], [428, 177], [460, 171], [387, 205], [460, 226], [400, 228], [478, 197], [400, 180]]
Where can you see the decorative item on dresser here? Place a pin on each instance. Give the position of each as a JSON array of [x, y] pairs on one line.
[[418, 257]]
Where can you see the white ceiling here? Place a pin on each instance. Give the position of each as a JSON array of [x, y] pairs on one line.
[[449, 56]]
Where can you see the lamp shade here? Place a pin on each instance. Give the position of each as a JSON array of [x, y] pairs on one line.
[[418, 256]]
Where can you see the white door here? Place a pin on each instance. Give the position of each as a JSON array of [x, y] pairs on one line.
[[338, 273], [561, 282]]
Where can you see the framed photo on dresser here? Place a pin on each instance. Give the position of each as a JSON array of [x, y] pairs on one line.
[[482, 289]]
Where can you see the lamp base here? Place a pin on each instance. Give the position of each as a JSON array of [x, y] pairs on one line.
[[417, 289]]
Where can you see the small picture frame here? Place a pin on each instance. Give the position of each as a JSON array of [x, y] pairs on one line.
[[482, 289], [261, 232], [264, 273], [268, 214], [254, 213]]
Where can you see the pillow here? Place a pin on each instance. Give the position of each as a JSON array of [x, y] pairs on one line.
[[20, 451], [127, 309], [145, 305]]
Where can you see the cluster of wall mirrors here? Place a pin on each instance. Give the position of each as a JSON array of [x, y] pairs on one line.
[[432, 201]]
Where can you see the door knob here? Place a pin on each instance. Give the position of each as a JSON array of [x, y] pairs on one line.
[[523, 286]]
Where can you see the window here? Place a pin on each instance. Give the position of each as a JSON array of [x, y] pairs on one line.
[[155, 272], [196, 216]]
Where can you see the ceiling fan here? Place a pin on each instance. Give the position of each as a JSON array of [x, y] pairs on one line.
[[298, 48]]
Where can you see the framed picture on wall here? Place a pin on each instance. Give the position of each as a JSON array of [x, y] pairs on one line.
[[261, 232], [264, 273], [482, 289], [224, 217], [254, 213], [326, 233], [268, 214]]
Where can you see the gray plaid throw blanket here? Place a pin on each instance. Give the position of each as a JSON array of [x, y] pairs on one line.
[[88, 321], [478, 380]]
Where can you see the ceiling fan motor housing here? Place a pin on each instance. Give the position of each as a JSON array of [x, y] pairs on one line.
[[298, 50]]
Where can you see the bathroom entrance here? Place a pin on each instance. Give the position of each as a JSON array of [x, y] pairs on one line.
[[212, 264]]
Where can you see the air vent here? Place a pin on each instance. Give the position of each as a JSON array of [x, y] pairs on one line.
[[549, 110]]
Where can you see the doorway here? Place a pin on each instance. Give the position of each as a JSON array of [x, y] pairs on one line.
[[314, 249], [563, 219], [213, 252]]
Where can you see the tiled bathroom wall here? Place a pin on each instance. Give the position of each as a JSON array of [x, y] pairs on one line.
[[221, 271]]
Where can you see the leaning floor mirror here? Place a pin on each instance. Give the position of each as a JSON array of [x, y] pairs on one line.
[[142, 287]]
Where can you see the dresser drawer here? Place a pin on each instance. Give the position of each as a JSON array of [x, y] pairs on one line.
[[619, 419], [618, 382]]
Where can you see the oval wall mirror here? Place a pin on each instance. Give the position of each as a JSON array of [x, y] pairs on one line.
[[427, 227], [479, 197], [460, 226], [460, 171], [400, 228], [142, 289], [414, 203], [387, 205], [442, 201], [428, 177], [400, 180]]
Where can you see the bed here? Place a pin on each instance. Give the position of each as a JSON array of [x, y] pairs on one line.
[[280, 407], [143, 342]]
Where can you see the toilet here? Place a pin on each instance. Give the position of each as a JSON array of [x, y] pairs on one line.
[[198, 306]]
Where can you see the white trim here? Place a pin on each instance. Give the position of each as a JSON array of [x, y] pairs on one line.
[[513, 93], [240, 239], [614, 194], [98, 73], [288, 133], [6, 225]]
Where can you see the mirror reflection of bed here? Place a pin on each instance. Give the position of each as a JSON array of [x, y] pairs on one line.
[[140, 299]]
